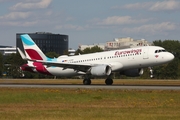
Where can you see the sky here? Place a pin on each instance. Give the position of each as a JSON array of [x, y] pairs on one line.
[[89, 22]]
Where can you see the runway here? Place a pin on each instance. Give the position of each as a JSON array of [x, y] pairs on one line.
[[129, 87]]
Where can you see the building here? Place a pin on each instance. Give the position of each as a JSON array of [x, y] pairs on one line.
[[71, 52], [6, 50], [82, 47], [47, 42], [119, 43]]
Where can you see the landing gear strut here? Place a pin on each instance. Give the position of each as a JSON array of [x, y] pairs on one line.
[[151, 72]]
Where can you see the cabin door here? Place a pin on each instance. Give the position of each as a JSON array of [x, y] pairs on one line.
[[145, 53]]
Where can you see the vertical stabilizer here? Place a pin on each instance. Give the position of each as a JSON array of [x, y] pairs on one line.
[[32, 51]]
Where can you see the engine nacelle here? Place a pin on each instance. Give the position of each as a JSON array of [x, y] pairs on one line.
[[101, 70], [132, 72]]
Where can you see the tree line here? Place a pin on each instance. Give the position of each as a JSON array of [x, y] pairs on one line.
[[10, 65]]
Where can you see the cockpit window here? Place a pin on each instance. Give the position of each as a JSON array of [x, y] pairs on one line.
[[158, 51]]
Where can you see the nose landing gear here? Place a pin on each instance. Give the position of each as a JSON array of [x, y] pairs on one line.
[[151, 72]]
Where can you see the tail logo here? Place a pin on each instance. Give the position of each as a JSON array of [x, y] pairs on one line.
[[33, 54], [27, 40]]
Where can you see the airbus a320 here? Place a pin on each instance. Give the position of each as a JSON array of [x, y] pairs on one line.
[[129, 62]]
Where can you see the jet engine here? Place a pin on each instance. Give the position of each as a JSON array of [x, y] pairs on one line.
[[132, 72], [101, 70]]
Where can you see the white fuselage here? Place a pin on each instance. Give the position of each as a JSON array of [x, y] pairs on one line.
[[118, 60]]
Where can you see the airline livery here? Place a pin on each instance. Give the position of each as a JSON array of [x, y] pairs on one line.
[[129, 62]]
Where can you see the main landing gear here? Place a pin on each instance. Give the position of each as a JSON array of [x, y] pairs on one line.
[[87, 81], [109, 81]]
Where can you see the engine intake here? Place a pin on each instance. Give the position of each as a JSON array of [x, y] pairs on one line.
[[101, 70]]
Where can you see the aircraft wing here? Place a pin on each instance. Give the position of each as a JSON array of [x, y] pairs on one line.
[[79, 67]]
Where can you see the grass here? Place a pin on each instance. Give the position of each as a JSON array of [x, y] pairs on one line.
[[96, 104]]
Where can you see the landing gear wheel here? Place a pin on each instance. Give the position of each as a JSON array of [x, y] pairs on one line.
[[87, 81], [109, 81]]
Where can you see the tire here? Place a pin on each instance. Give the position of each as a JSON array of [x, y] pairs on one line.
[[86, 81], [109, 81]]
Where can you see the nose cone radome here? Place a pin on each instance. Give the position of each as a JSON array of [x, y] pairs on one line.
[[170, 56]]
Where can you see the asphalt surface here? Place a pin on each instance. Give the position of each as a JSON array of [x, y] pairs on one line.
[[138, 87]]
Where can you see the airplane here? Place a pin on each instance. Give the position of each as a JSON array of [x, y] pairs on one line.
[[129, 62]]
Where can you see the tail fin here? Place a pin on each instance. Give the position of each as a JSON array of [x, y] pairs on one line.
[[26, 67], [32, 51]]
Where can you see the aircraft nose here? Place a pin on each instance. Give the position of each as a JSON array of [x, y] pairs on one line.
[[170, 56]]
